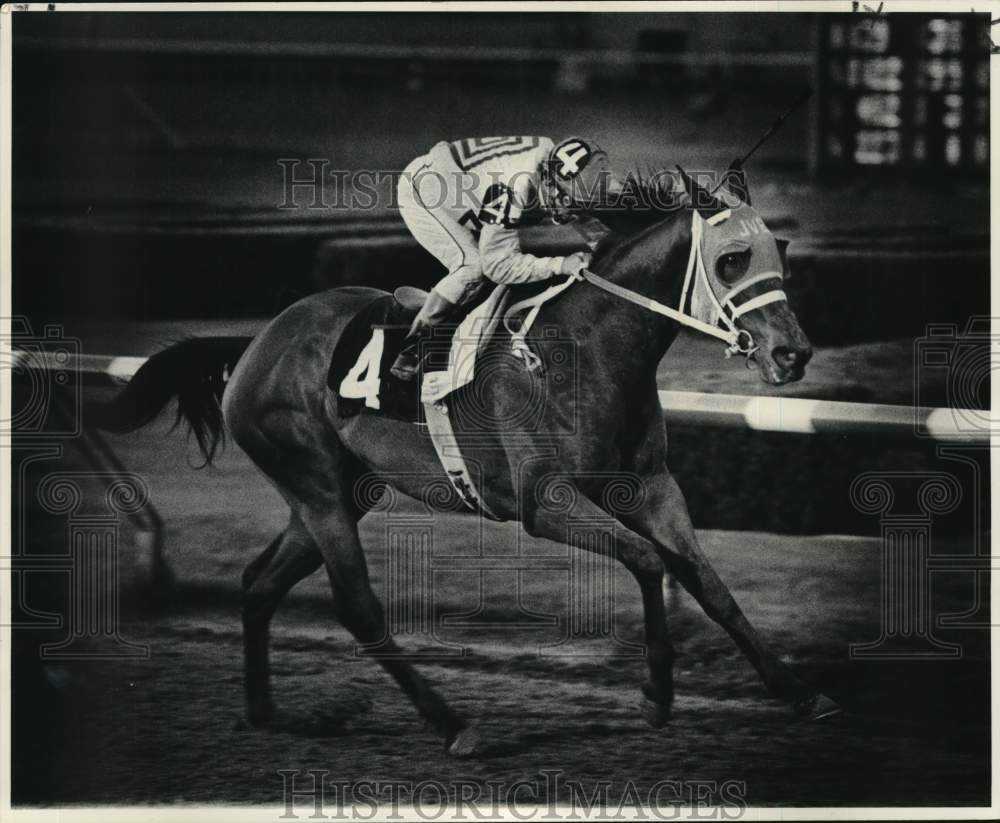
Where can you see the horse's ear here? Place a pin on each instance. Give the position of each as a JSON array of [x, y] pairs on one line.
[[735, 180], [701, 198]]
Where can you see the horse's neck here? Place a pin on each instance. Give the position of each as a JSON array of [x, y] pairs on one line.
[[653, 265]]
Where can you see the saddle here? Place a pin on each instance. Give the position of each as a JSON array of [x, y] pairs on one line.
[[359, 374]]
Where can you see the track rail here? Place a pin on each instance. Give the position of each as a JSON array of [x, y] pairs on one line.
[[795, 415], [789, 415]]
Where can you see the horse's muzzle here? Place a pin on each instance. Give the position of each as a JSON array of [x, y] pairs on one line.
[[782, 364]]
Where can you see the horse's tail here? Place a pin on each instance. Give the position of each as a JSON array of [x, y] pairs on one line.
[[194, 371]]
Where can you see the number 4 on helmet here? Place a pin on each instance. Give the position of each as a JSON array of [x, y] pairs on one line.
[[578, 169]]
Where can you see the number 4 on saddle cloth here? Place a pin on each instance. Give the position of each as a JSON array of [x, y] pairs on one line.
[[359, 372]]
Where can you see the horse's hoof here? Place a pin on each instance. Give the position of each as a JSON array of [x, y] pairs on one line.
[[464, 743], [817, 707], [655, 714]]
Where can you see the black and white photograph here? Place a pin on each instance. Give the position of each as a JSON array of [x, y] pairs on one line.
[[536, 411]]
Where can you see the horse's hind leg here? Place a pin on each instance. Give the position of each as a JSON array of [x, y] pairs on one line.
[[290, 557], [291, 442], [334, 529]]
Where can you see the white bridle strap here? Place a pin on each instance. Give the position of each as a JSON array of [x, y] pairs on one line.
[[750, 281], [736, 311], [757, 302], [694, 260]]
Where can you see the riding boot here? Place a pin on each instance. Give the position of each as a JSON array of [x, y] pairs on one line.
[[435, 311]]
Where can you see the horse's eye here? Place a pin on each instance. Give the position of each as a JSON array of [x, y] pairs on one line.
[[733, 266]]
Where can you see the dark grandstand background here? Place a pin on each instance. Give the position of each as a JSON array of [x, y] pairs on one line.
[[150, 202]]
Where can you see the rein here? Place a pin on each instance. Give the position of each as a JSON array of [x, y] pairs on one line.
[[740, 340]]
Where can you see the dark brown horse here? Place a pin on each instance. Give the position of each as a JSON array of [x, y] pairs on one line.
[[540, 469]]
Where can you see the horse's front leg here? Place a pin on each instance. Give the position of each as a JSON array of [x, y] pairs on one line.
[[640, 557], [665, 521]]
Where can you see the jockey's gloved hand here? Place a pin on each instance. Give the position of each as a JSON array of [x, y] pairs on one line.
[[573, 264]]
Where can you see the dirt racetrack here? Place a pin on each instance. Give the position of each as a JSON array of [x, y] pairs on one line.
[[168, 728]]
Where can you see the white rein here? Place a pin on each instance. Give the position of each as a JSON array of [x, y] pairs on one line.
[[740, 340]]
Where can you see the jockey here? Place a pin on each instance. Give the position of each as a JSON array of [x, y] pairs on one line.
[[463, 201]]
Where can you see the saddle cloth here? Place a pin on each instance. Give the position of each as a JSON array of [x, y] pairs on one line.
[[359, 372]]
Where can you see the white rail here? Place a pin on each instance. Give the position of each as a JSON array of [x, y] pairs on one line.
[[795, 415], [790, 415]]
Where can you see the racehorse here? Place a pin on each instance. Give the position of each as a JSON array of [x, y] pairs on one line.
[[278, 408]]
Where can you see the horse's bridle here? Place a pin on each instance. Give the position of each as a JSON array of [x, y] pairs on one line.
[[739, 339]]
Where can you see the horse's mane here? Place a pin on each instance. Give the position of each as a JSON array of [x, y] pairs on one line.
[[648, 197]]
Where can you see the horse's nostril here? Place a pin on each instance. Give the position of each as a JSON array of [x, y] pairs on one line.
[[786, 357]]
